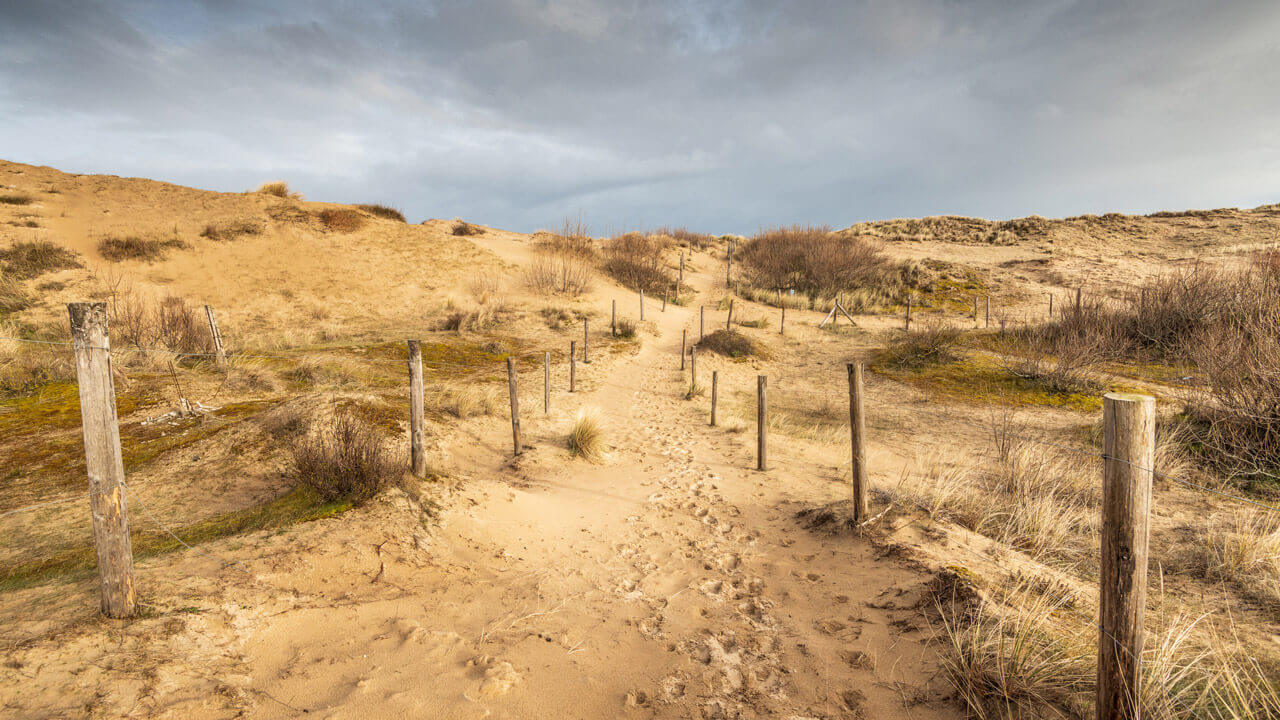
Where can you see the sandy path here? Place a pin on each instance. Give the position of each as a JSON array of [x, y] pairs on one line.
[[669, 581]]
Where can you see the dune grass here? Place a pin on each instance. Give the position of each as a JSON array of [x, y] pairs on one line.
[[586, 436]]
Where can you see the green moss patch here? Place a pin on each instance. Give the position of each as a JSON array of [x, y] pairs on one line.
[[981, 380]]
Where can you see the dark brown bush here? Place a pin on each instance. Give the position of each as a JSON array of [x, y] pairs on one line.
[[812, 261], [931, 343], [732, 343], [15, 199], [345, 460], [462, 228], [136, 247], [384, 212], [181, 327], [637, 261], [687, 238], [342, 220], [31, 259], [231, 229]]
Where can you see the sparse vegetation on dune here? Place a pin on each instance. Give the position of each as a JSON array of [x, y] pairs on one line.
[[626, 328], [15, 199], [383, 211], [344, 460], [231, 229], [278, 188], [638, 261], [137, 247], [734, 344], [586, 437], [462, 228], [930, 343], [29, 259], [343, 220]]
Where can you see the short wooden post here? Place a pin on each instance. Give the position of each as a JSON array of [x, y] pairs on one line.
[[782, 324], [693, 366], [1129, 421], [1050, 304], [613, 319], [546, 382], [515, 405], [715, 383], [908, 325], [642, 306], [728, 268], [664, 300], [1079, 296], [683, 338], [681, 280], [573, 363], [702, 311], [988, 311], [762, 422], [103, 461], [728, 321], [857, 437], [586, 340], [220, 355], [417, 432]]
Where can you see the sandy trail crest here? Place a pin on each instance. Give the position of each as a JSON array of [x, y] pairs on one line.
[[668, 581]]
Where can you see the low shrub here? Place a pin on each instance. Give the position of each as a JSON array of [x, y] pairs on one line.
[[812, 261], [637, 261], [462, 228], [732, 343], [586, 437], [383, 211], [136, 247], [344, 460], [231, 229], [626, 328], [931, 343], [559, 273], [13, 295], [182, 328], [15, 199], [29, 259], [342, 220], [278, 188], [687, 238]]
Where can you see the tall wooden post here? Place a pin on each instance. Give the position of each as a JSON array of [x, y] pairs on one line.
[[857, 437], [1050, 304], [728, 268], [988, 311], [715, 391], [702, 311], [546, 383], [613, 319], [102, 458], [908, 324], [515, 405], [782, 324], [642, 306], [728, 321], [762, 422], [683, 338], [681, 280], [417, 433], [1079, 296], [573, 363], [693, 366], [220, 355], [1129, 421], [586, 340]]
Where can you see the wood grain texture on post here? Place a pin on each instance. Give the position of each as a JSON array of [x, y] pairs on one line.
[[417, 431], [684, 335], [515, 405], [1129, 421], [546, 382], [762, 422], [782, 324], [857, 437], [715, 391], [219, 354], [573, 364], [103, 461]]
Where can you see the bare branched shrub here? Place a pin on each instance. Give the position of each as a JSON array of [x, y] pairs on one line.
[[343, 220], [637, 261], [1061, 362], [812, 261], [344, 460], [181, 328], [930, 343], [383, 211], [29, 259], [559, 273]]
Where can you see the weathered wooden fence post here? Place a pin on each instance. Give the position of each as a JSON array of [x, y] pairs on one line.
[[1129, 421], [683, 338], [762, 422], [102, 458], [715, 392], [1079, 296], [857, 437], [546, 383], [586, 340], [681, 280], [664, 300], [219, 354], [693, 366], [702, 311], [1050, 304], [728, 321], [613, 319], [515, 405], [782, 324], [642, 306], [573, 363], [988, 311], [908, 325], [417, 433]]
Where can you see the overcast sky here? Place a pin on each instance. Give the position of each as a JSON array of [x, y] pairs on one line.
[[722, 116]]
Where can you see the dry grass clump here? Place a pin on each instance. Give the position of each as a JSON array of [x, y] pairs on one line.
[[930, 343], [13, 295], [344, 460], [471, 316], [812, 261], [686, 237], [734, 344], [626, 328], [586, 437], [465, 401], [29, 259], [462, 228], [383, 211], [559, 273], [170, 324], [1245, 551], [224, 230], [278, 188], [343, 220], [136, 247], [15, 199], [637, 261]]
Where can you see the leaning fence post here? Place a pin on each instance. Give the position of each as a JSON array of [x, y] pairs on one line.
[[586, 340], [762, 422], [515, 405], [103, 461], [715, 382], [546, 382], [975, 309], [417, 433], [683, 338], [1128, 456], [220, 355], [728, 321], [857, 436], [573, 363]]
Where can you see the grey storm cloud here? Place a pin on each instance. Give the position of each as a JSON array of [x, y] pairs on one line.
[[723, 116]]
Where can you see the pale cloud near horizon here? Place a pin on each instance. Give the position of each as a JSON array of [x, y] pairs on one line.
[[724, 116]]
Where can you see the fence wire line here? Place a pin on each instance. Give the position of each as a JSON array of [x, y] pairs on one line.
[[154, 519]]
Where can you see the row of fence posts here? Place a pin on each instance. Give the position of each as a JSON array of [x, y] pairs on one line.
[[1128, 451]]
